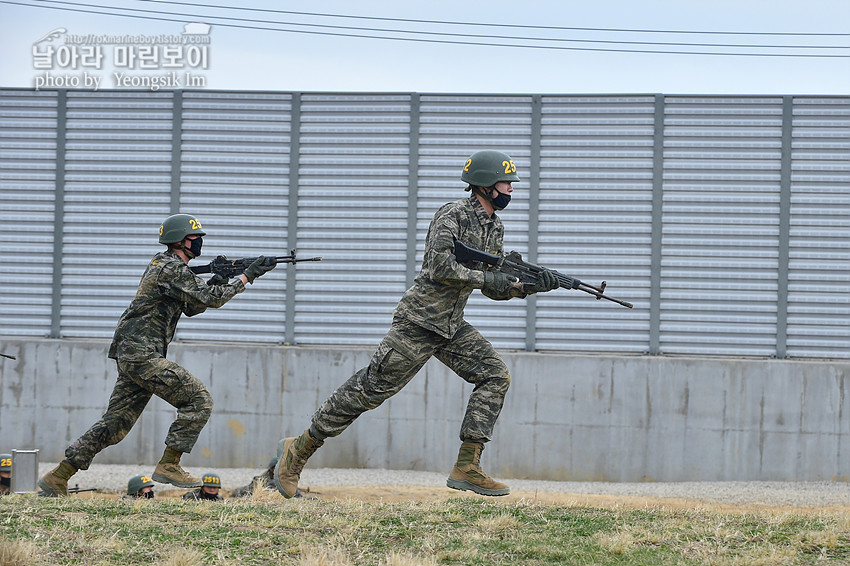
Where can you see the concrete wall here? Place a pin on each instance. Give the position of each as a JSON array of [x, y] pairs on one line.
[[567, 417]]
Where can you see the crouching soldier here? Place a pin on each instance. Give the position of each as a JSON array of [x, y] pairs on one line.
[[6, 474], [207, 492], [262, 481], [139, 487]]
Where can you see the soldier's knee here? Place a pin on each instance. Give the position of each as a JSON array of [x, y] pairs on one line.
[[203, 405], [505, 380], [502, 374]]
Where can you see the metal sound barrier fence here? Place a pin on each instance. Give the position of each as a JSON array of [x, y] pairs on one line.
[[725, 220]]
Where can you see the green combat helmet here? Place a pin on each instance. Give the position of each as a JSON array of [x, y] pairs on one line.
[[211, 479], [137, 483], [5, 462], [176, 227], [488, 167]]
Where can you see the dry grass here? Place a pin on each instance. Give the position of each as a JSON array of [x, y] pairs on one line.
[[412, 527]]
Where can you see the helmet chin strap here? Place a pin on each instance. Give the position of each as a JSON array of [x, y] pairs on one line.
[[486, 193], [187, 251]]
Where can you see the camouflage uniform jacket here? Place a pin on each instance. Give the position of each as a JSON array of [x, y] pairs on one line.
[[264, 480], [440, 291], [167, 289], [196, 496]]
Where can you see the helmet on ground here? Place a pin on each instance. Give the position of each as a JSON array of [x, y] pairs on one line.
[[176, 227], [136, 484], [211, 479], [488, 167], [5, 462]]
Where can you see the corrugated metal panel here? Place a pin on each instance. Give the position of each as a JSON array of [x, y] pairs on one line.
[[722, 159], [235, 178], [596, 220], [117, 192], [352, 210], [720, 242], [451, 129], [27, 189], [819, 265]]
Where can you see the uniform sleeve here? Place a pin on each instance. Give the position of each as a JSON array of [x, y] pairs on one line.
[[196, 295], [439, 253], [512, 293]]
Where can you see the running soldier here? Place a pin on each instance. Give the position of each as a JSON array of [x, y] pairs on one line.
[[167, 290], [428, 321]]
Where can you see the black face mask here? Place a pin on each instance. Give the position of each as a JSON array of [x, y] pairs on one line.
[[195, 246], [501, 201], [6, 482], [148, 495], [205, 495]]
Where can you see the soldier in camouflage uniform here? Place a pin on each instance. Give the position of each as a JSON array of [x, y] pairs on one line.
[[428, 321], [262, 481], [207, 492], [139, 487], [5, 473], [168, 289]]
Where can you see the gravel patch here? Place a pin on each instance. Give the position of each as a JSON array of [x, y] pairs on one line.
[[111, 477]]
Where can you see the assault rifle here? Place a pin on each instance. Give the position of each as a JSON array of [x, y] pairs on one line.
[[229, 268], [75, 489], [527, 273], [78, 489]]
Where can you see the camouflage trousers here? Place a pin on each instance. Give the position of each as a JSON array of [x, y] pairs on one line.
[[400, 355], [137, 383]]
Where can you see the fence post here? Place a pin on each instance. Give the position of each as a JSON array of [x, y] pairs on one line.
[[656, 230], [292, 221], [59, 213], [784, 229], [176, 148], [412, 188], [533, 216]]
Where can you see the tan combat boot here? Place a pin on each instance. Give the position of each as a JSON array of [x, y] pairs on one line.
[[168, 470], [293, 455], [55, 482], [468, 475]]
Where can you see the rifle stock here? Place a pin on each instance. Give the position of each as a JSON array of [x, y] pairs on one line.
[[527, 273]]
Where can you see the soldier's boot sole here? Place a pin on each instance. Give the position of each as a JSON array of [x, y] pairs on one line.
[[51, 486], [464, 485], [175, 475], [479, 483]]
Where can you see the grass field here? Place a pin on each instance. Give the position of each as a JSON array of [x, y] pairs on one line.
[[412, 527]]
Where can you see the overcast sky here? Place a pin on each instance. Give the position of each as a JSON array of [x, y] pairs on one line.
[[238, 58]]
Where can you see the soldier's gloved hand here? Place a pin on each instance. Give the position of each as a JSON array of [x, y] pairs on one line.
[[498, 282], [258, 268], [546, 281], [217, 280]]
